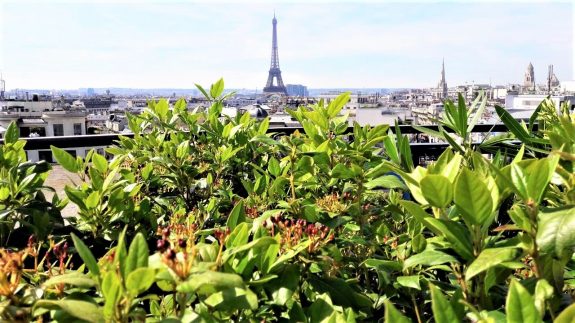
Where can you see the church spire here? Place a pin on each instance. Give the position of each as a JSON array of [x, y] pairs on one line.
[[442, 86]]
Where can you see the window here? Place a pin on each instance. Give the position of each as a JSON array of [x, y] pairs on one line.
[[58, 129], [77, 129]]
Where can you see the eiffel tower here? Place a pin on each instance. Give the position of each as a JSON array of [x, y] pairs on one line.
[[278, 87]]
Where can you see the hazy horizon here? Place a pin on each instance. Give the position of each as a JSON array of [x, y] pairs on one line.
[[152, 45]]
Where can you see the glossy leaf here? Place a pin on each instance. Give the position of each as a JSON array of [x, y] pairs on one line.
[[12, 133], [392, 315], [512, 125], [86, 256], [386, 181], [520, 306], [237, 215], [217, 88], [409, 281], [100, 162], [442, 310], [67, 161], [456, 234], [140, 280], [274, 167], [489, 258], [437, 190], [210, 282], [429, 258], [138, 254], [556, 232], [567, 315], [473, 198], [73, 278], [337, 104], [82, 310]]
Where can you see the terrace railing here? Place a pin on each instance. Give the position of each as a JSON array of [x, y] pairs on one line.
[[420, 150]]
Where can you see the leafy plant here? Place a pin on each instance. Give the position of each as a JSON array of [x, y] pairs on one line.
[[203, 217]]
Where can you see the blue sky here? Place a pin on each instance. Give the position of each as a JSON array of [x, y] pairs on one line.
[[152, 44]]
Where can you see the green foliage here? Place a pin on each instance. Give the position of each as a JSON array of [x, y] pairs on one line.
[[24, 209], [201, 217]]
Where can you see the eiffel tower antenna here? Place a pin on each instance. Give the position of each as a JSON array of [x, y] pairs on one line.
[[278, 86]]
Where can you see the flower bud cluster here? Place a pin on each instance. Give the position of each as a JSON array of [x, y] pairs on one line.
[[331, 203], [11, 269], [176, 247], [60, 251], [252, 212], [294, 231]]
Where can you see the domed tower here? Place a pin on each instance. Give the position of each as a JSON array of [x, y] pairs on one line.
[[529, 80]]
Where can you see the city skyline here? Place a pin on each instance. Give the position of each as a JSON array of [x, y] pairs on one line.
[[66, 45]]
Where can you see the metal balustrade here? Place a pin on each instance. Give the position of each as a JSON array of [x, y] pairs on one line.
[[419, 150]]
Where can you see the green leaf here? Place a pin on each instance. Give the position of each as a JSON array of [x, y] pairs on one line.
[[204, 92], [409, 281], [567, 315], [442, 310], [488, 258], [540, 174], [93, 200], [543, 292], [237, 215], [100, 162], [162, 107], [258, 243], [520, 306], [285, 285], [429, 258], [217, 88], [513, 125], [274, 167], [264, 126], [340, 292], [473, 198], [210, 282], [86, 256], [12, 133], [121, 253], [73, 278], [437, 190], [231, 299], [556, 232], [342, 172], [383, 265], [391, 149], [337, 104], [392, 315], [137, 254], [65, 159], [140, 280], [418, 243], [386, 181], [111, 290], [83, 310], [519, 180], [456, 234], [477, 114]]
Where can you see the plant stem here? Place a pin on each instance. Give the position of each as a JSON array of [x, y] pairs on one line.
[[416, 309]]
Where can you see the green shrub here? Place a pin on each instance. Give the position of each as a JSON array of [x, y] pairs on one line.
[[213, 218]]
